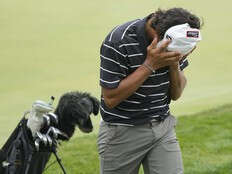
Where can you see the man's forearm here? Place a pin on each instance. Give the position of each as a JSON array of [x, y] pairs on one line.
[[177, 81], [126, 88]]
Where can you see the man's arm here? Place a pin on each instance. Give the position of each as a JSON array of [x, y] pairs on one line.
[[177, 78], [126, 88], [177, 81], [156, 58]]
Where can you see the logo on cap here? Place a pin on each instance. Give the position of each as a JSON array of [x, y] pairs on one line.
[[168, 37], [194, 34]]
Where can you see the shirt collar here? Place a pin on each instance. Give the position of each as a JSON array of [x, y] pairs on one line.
[[141, 34]]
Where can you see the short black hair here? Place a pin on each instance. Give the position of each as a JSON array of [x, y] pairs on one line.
[[162, 20]]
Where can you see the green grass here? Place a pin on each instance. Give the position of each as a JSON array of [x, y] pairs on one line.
[[206, 141], [51, 47], [205, 138]]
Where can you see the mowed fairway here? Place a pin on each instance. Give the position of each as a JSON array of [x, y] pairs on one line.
[[51, 47]]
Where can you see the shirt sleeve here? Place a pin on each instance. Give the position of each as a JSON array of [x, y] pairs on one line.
[[113, 67], [183, 63]]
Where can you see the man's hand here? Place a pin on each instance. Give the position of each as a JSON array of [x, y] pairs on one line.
[[158, 57]]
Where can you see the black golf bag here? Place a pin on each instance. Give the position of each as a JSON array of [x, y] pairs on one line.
[[19, 151], [25, 153]]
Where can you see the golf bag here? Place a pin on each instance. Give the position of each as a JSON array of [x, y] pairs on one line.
[[36, 137], [19, 155]]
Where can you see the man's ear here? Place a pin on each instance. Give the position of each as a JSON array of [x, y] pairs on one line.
[[96, 104]]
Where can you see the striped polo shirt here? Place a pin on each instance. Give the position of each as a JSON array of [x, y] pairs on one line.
[[121, 53]]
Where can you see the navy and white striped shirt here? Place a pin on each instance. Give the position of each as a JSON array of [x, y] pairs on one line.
[[122, 52]]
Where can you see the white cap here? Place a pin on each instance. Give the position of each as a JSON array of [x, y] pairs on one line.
[[184, 38]]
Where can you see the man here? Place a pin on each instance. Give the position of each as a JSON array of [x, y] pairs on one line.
[[138, 80]]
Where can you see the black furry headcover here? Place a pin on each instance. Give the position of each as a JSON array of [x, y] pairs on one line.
[[74, 109]]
